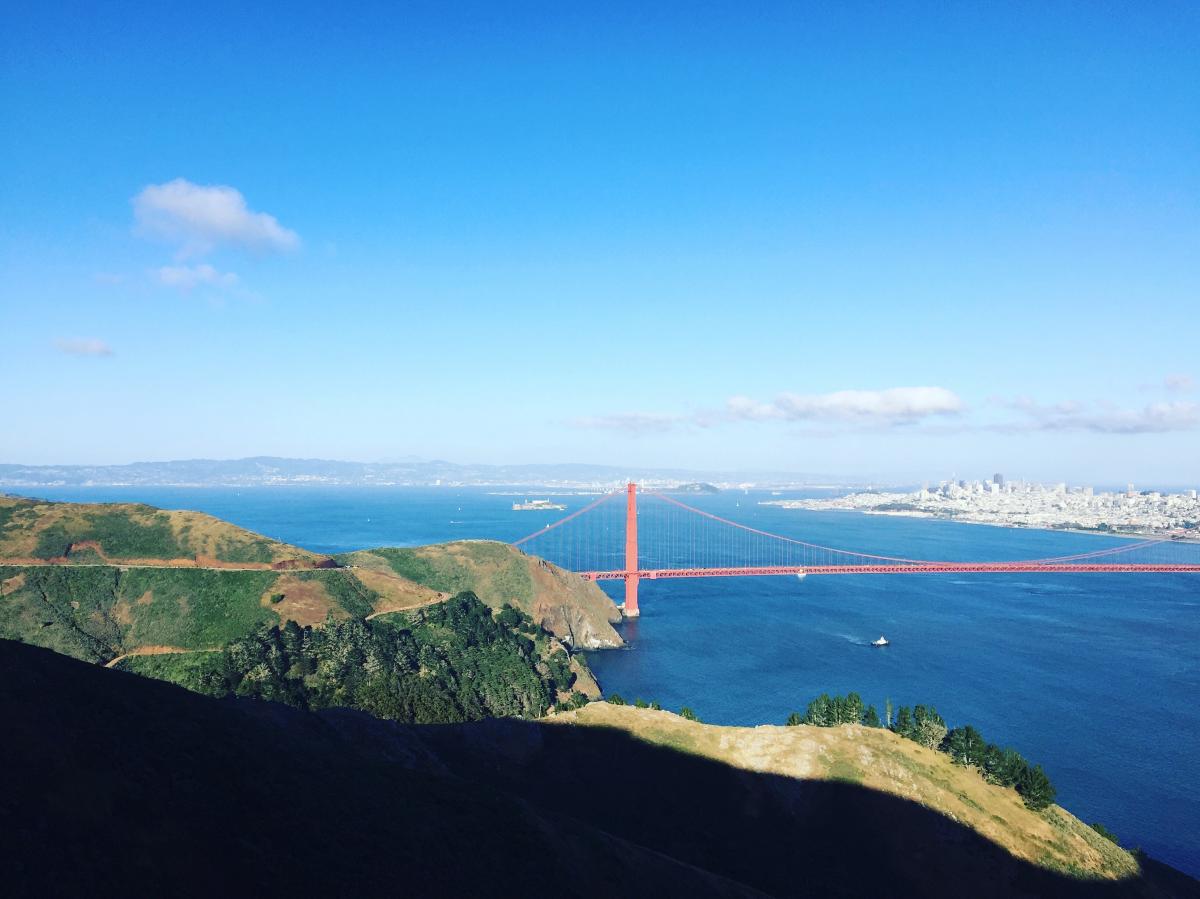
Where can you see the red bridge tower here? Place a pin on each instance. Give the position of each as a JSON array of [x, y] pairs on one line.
[[631, 552]]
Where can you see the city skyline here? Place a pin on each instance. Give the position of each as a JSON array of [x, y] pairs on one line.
[[875, 243]]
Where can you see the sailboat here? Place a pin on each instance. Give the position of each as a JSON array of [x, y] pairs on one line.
[[882, 641]]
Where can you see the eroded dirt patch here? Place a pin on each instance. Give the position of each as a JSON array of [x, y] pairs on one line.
[[304, 602], [12, 584]]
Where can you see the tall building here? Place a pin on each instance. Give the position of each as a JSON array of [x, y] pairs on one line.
[[998, 479]]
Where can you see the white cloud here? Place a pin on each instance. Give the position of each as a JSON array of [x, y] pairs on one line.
[[83, 346], [186, 277], [1179, 383], [894, 406], [202, 217]]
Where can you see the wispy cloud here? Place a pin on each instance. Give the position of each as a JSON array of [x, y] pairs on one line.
[[844, 408], [199, 218], [1152, 418], [185, 278], [83, 346], [894, 406], [632, 422], [930, 410], [1179, 383]]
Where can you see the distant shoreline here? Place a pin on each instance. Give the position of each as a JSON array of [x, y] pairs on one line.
[[929, 516]]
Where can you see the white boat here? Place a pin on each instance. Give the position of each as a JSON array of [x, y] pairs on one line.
[[882, 641]]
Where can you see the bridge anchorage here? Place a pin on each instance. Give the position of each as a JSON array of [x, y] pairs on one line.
[[601, 542]]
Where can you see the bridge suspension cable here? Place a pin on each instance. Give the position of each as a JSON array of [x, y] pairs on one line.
[[676, 542]]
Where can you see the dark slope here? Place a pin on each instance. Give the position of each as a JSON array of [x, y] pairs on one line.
[[120, 784]]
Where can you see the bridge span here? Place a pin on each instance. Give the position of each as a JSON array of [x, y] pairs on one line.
[[695, 543]]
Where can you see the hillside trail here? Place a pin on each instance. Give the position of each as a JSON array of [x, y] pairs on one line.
[[156, 651]]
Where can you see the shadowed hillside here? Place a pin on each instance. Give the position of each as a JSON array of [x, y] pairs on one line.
[[130, 781]]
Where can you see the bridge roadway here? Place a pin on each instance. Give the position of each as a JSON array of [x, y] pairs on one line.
[[923, 568]]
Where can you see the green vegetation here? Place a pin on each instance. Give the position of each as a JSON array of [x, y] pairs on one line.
[[36, 528], [187, 669], [616, 699], [69, 610], [140, 533], [577, 701], [450, 572], [499, 574], [687, 714], [450, 662], [193, 608], [965, 745], [1104, 832], [827, 711], [96, 613]]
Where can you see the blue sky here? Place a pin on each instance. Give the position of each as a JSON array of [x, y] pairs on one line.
[[886, 240]]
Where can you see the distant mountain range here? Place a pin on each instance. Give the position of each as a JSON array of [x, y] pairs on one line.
[[271, 470]]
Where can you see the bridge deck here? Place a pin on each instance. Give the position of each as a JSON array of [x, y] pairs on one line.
[[927, 568]]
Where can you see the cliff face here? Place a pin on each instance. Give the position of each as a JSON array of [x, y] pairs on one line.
[[574, 610]]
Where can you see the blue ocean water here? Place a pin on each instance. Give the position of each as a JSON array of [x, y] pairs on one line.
[[1095, 676]]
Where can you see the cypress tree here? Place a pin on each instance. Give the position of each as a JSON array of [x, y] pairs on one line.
[[1035, 788], [853, 709]]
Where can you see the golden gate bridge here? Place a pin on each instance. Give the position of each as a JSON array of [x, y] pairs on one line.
[[601, 542]]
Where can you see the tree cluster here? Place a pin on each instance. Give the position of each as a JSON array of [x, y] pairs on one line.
[[922, 724], [830, 711], [450, 662]]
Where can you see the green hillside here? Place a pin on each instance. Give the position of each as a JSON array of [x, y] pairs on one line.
[[575, 610], [120, 595], [97, 532]]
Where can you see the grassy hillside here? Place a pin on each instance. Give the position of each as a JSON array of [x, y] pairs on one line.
[[602, 802], [573, 609], [96, 532], [884, 761]]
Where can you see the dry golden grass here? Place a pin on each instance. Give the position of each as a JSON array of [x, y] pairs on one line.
[[209, 536], [12, 584], [396, 593], [881, 760]]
